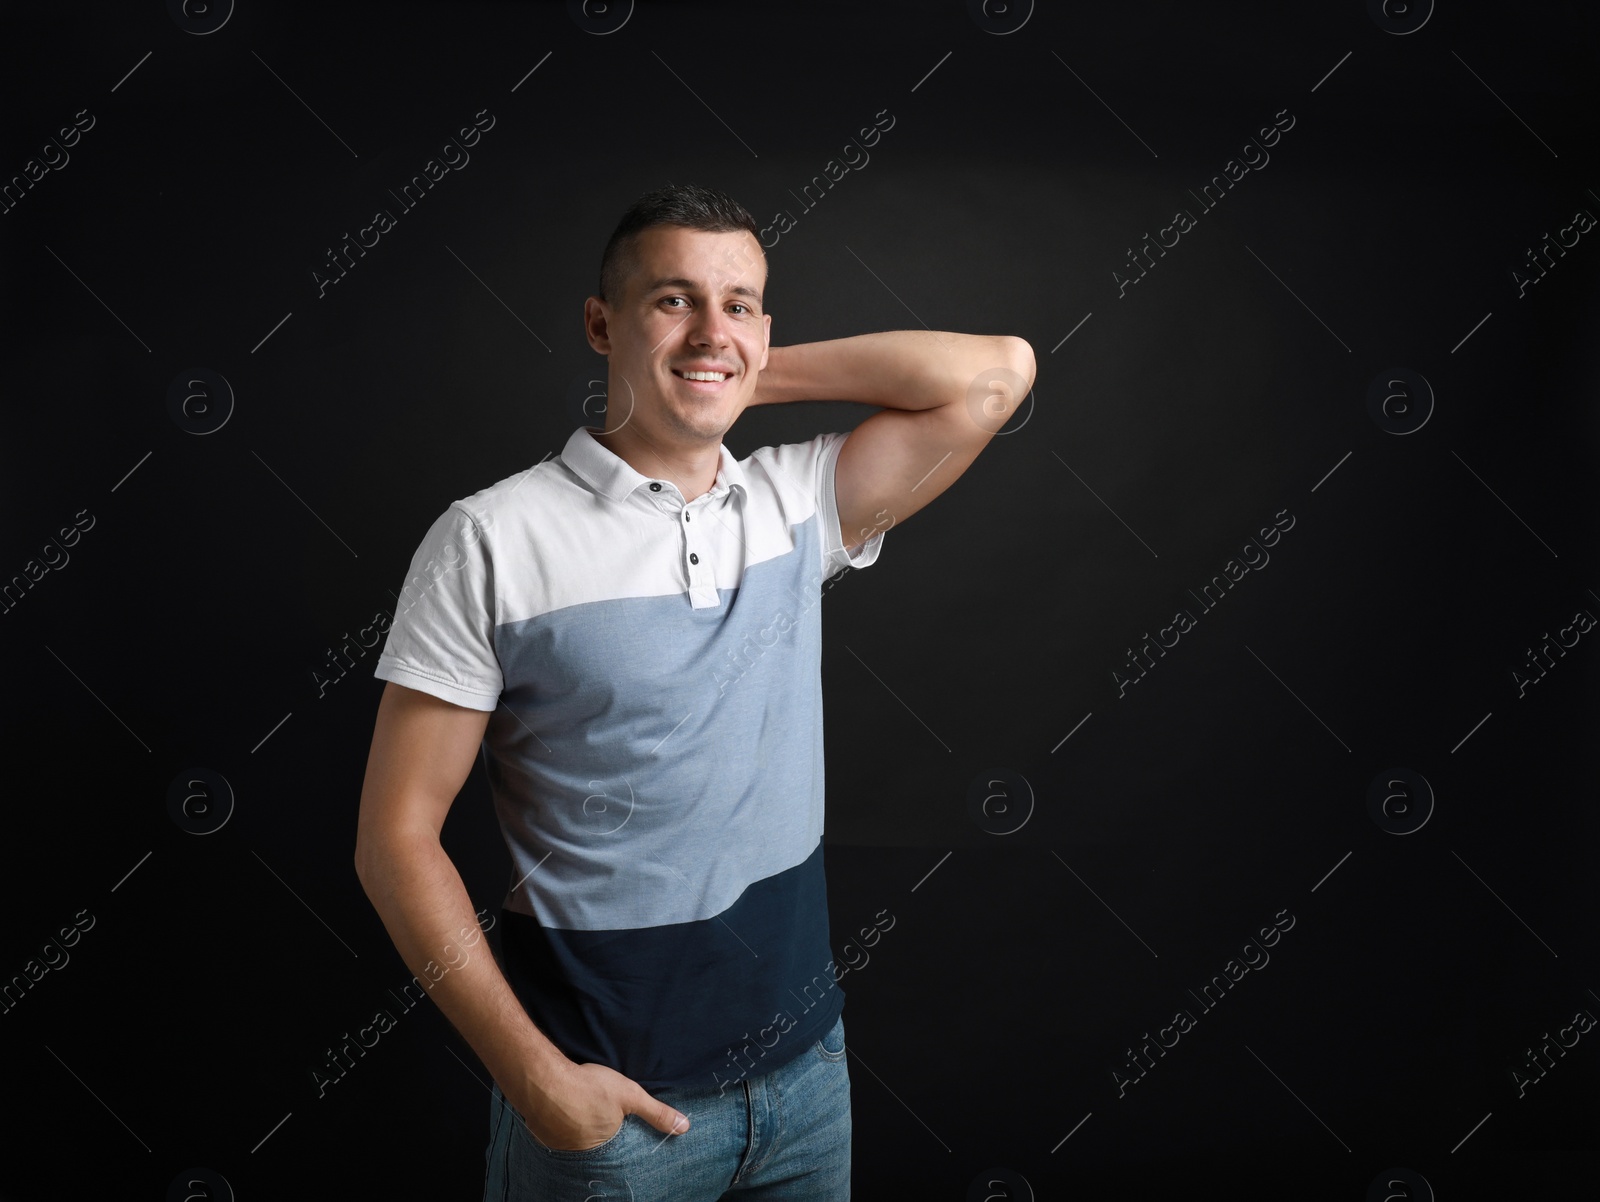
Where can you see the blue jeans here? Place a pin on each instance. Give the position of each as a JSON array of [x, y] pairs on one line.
[[784, 1135]]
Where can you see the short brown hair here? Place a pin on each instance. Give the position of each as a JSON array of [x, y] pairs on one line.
[[688, 205]]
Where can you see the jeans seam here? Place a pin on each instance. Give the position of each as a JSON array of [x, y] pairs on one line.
[[776, 1135], [750, 1133], [505, 1170], [505, 1156]]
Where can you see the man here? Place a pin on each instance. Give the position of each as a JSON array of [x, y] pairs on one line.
[[631, 632]]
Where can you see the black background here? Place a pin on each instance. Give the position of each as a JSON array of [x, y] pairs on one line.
[[1034, 944]]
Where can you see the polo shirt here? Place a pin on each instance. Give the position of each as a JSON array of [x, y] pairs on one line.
[[652, 671]]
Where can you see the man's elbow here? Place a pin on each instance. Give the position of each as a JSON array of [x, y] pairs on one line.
[[374, 855], [1020, 353], [365, 862], [387, 850]]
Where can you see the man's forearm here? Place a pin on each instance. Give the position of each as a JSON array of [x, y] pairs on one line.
[[894, 369], [418, 894]]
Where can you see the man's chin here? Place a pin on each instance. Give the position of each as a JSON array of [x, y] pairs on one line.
[[712, 419]]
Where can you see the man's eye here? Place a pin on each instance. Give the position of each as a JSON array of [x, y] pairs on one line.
[[668, 299], [736, 305]]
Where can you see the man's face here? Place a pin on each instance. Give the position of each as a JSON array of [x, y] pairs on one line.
[[691, 305]]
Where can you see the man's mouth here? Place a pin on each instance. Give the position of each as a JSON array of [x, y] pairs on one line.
[[704, 377]]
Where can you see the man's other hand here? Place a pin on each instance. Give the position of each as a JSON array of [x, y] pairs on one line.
[[588, 1104]]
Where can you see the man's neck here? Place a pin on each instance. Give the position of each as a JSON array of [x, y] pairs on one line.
[[693, 468]]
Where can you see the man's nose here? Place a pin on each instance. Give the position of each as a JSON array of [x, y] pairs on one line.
[[710, 327]]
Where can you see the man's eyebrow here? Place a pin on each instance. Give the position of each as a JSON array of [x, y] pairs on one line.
[[680, 282]]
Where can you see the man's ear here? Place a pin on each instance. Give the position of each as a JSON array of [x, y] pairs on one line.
[[597, 324], [766, 339]]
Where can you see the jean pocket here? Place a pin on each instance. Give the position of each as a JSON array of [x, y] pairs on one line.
[[610, 1145], [831, 1046]]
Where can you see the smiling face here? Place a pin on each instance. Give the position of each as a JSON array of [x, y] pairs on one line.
[[687, 338]]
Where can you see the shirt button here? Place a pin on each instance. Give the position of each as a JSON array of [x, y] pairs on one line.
[[655, 487], [686, 515], [693, 558]]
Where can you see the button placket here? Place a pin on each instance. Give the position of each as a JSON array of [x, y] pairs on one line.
[[690, 541], [702, 575]]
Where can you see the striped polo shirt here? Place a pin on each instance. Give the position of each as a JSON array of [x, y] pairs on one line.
[[652, 669]]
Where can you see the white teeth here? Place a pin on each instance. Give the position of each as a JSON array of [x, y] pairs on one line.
[[716, 376]]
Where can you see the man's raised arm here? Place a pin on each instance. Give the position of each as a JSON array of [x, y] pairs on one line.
[[422, 750], [944, 396]]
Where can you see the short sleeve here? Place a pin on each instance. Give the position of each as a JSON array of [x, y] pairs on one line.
[[442, 639], [835, 558]]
